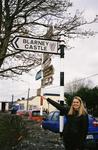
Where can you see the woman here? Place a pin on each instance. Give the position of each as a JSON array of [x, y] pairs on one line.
[[76, 128]]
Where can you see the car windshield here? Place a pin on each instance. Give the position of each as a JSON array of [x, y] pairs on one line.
[[50, 116], [55, 116], [37, 113]]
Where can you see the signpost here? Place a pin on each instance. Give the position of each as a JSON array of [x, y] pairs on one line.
[[47, 62], [35, 44], [62, 47], [47, 81], [45, 46], [48, 71]]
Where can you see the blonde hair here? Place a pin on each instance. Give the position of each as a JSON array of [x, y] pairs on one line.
[[82, 109]]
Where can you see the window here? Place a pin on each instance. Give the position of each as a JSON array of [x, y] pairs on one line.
[[55, 116], [50, 115], [35, 113]]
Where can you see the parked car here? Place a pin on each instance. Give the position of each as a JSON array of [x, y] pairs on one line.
[[52, 123], [22, 113], [14, 109], [35, 115]]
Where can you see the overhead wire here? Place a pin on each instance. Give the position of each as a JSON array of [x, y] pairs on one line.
[[90, 76], [57, 86]]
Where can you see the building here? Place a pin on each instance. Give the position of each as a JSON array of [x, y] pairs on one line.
[[4, 106], [35, 102]]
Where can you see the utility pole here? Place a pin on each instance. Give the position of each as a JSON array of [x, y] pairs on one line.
[[12, 99], [62, 46], [28, 98]]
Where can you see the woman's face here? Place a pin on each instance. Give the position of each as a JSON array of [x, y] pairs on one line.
[[76, 104]]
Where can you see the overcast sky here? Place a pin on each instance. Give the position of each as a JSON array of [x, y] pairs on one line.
[[80, 62]]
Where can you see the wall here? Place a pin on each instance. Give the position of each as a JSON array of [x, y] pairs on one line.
[[35, 103]]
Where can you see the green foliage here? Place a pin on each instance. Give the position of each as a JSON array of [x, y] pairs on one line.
[[68, 98], [12, 131], [89, 96]]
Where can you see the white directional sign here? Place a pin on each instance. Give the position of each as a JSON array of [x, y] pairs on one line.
[[36, 45]]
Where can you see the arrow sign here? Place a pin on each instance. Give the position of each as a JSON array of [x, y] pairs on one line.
[[36, 45], [48, 71]]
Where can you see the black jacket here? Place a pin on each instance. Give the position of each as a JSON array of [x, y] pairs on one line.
[[76, 128]]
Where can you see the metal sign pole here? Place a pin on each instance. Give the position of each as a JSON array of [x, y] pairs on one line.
[[28, 98], [62, 46], [41, 94]]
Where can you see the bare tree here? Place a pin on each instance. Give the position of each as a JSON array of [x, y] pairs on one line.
[[77, 84], [32, 18]]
